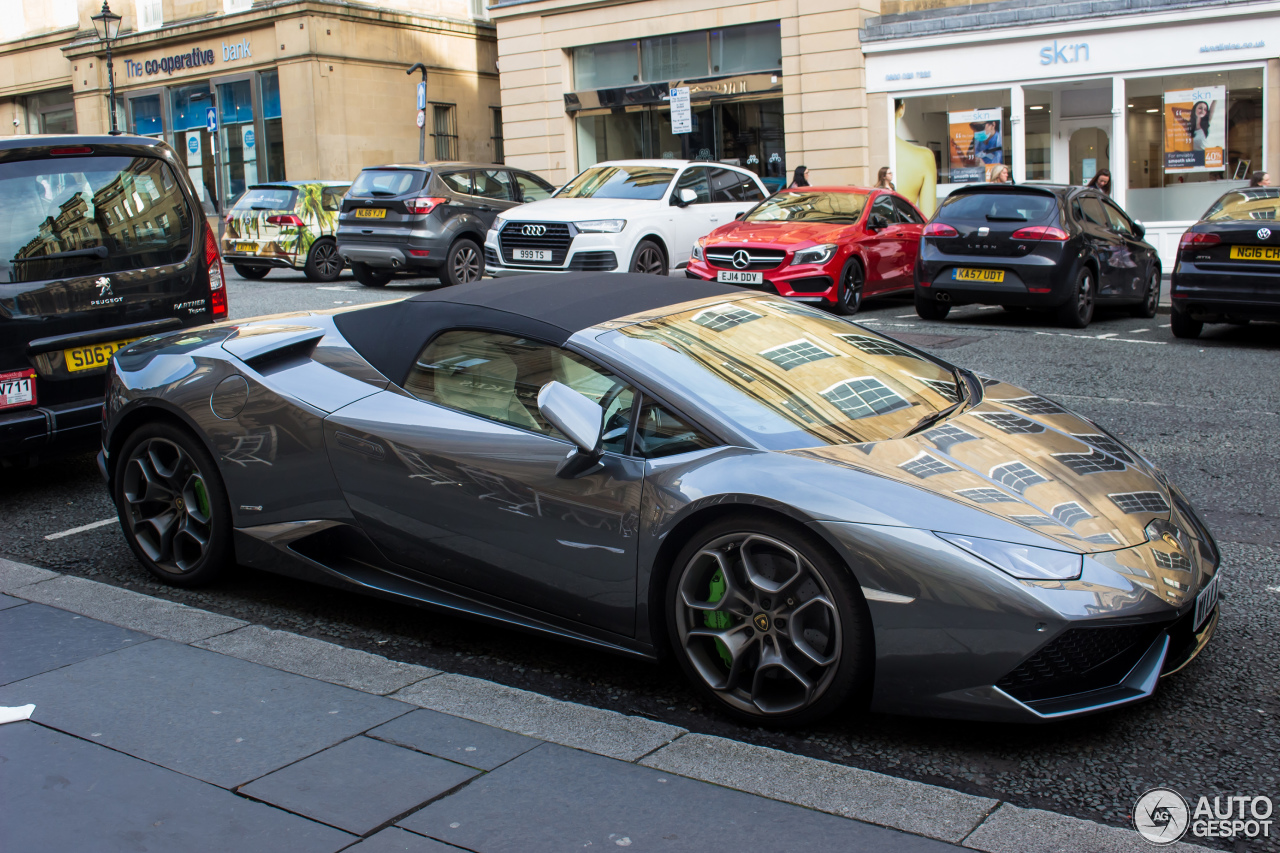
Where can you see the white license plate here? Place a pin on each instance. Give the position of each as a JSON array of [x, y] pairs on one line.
[[17, 388], [739, 277], [1205, 601], [543, 255]]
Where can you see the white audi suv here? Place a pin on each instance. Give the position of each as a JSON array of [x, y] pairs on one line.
[[621, 216]]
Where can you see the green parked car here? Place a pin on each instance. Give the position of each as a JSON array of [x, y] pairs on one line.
[[285, 225]]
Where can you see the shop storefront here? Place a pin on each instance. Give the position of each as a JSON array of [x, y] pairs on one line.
[[1177, 111], [771, 85]]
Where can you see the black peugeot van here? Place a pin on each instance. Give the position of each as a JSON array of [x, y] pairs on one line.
[[102, 241]]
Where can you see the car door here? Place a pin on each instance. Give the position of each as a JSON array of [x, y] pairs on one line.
[[1132, 261], [695, 219], [910, 227], [728, 194], [884, 245], [532, 188], [1104, 244], [498, 192], [456, 480]]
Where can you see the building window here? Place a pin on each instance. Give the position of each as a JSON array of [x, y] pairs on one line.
[[796, 353], [924, 465], [864, 397], [1011, 423], [1070, 514], [1106, 444], [1134, 502], [1102, 539], [876, 346], [941, 387], [480, 9], [445, 131], [947, 436], [229, 6], [723, 317], [1175, 562], [1016, 476], [150, 15], [273, 144], [1034, 520], [1093, 462], [1033, 405], [986, 496], [499, 152]]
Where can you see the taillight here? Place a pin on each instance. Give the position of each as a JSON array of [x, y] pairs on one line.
[[74, 149], [1197, 238], [1040, 232], [217, 293], [938, 229], [423, 204], [285, 219]]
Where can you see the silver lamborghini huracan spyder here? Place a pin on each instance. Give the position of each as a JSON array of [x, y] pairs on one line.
[[807, 515]]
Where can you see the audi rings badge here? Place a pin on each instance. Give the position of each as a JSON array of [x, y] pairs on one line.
[[534, 230]]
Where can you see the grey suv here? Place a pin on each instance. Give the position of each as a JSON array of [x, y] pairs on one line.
[[427, 218]]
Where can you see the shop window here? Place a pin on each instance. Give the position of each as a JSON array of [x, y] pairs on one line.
[[1191, 137], [273, 137], [1037, 117], [605, 66], [445, 130], [499, 150], [480, 9], [51, 112], [754, 47], [675, 57], [150, 14], [945, 140]]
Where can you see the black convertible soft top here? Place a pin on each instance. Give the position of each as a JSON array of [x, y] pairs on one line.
[[549, 308]]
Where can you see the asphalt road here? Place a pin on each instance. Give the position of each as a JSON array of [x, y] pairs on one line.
[[1206, 411]]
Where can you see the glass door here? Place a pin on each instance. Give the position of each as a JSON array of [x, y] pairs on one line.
[[1082, 148], [188, 108], [238, 138]]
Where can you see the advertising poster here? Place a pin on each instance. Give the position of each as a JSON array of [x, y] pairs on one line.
[[977, 144], [1195, 129]]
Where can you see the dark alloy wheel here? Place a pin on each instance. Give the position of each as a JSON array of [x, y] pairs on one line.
[[648, 259], [172, 506], [766, 623], [1184, 325], [1077, 311], [463, 264], [323, 261], [251, 273], [370, 277], [1150, 299], [849, 290], [929, 308]]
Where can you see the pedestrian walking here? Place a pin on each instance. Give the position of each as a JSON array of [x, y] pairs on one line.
[[1260, 179], [1101, 181], [1000, 175], [884, 181], [801, 178]]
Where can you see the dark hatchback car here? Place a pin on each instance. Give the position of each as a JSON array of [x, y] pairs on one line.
[[1060, 248], [428, 218], [102, 241], [1228, 268]]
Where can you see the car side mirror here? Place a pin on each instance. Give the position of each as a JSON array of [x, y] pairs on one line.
[[580, 419], [740, 214], [1139, 229], [684, 197], [875, 222]]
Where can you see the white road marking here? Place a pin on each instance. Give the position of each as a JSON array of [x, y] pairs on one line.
[[1197, 406], [83, 528], [1138, 331], [1165, 325], [900, 316], [990, 308], [1107, 335], [348, 289]]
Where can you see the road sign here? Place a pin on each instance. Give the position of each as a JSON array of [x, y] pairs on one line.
[[193, 144], [211, 120], [422, 96], [422, 118], [681, 112]]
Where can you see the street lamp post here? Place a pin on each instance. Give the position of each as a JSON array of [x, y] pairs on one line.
[[422, 106], [107, 25]]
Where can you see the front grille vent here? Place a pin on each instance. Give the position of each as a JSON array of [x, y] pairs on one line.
[[552, 236], [759, 259], [1079, 659]]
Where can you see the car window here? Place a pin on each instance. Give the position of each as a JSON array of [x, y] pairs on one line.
[[1091, 207], [639, 182], [695, 178], [1253, 203], [533, 190], [803, 205], [1119, 222], [495, 184], [906, 213], [498, 376], [459, 182], [883, 206], [726, 185], [998, 206], [331, 198], [387, 182], [86, 216], [751, 190], [266, 198], [661, 433]]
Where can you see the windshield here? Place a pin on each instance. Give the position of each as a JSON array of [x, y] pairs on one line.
[[267, 198], [387, 182], [842, 208], [788, 376], [642, 182], [1259, 204], [998, 207]]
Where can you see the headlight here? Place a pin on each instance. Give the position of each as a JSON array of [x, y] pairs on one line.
[[697, 249], [601, 226], [815, 254], [498, 222], [1020, 561]]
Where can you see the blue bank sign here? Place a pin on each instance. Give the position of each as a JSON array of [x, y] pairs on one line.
[[197, 58]]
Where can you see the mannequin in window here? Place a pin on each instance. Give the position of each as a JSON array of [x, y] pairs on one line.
[[917, 170]]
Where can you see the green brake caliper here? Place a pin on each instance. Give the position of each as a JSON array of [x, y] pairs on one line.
[[202, 498], [716, 620]]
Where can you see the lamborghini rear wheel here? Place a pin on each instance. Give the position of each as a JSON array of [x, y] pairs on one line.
[[173, 506], [767, 623]]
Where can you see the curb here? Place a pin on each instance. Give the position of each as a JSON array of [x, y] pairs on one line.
[[977, 823]]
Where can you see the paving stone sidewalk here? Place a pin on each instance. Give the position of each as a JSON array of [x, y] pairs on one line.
[[166, 728]]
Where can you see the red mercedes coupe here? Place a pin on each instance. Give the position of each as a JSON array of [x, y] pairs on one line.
[[833, 245]]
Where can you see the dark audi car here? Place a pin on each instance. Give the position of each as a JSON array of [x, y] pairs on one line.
[[102, 242], [427, 218], [1228, 268], [1061, 248]]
